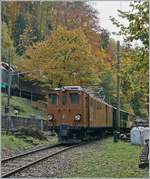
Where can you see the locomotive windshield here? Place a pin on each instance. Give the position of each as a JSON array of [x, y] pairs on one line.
[[74, 98], [64, 100], [53, 98]]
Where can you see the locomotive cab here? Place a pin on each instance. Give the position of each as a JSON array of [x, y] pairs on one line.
[[65, 114]]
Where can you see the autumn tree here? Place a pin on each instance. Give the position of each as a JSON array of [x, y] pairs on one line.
[[73, 15], [44, 17], [64, 59], [8, 50]]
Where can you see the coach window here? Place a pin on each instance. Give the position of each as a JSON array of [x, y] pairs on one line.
[[74, 98], [64, 100], [53, 98]]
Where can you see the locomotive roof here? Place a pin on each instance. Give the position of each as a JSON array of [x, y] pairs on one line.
[[79, 88]]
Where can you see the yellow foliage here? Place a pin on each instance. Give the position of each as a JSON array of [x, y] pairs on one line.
[[64, 59]]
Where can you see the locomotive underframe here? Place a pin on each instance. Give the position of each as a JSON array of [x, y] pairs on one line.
[[75, 134]]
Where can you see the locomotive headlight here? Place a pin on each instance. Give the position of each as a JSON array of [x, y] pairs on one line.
[[77, 117], [50, 117]]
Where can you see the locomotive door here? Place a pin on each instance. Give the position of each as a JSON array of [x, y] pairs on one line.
[[106, 115], [64, 108]]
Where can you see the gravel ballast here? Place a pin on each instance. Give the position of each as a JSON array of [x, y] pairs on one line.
[[55, 166]]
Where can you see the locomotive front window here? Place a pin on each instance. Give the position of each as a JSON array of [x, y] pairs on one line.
[[74, 98], [53, 98], [64, 100]]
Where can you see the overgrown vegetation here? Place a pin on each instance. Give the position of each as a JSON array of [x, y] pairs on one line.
[[13, 143], [107, 160], [33, 133], [23, 105]]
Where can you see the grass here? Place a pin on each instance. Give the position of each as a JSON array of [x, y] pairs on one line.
[[13, 143], [108, 160], [26, 109]]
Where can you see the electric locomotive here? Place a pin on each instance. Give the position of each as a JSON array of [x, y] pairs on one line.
[[74, 114]]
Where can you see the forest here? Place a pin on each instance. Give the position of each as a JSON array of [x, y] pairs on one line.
[[66, 43]]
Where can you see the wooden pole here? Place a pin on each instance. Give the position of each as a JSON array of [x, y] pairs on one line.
[[118, 86]]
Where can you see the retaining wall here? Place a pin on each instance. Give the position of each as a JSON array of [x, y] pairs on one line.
[[15, 122]]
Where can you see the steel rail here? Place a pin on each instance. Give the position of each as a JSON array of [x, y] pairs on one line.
[[36, 161], [29, 152]]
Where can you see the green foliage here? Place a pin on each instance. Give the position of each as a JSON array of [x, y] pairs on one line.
[[136, 103], [11, 142], [108, 85], [134, 75], [106, 159], [134, 71], [105, 38], [138, 18], [26, 109], [18, 29], [25, 32]]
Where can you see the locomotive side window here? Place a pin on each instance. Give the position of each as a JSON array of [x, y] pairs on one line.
[[97, 106], [100, 107], [53, 98], [64, 100], [74, 98]]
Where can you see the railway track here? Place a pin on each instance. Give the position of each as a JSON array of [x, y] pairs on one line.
[[13, 165], [144, 156]]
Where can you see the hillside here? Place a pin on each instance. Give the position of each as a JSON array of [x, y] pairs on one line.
[[23, 106]]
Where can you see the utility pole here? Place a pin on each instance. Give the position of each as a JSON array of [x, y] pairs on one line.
[[9, 92], [117, 123], [19, 84], [118, 86], [9, 86]]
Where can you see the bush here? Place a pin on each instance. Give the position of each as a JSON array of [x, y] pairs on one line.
[[33, 133]]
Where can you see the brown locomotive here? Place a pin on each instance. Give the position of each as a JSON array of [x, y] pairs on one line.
[[74, 114]]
